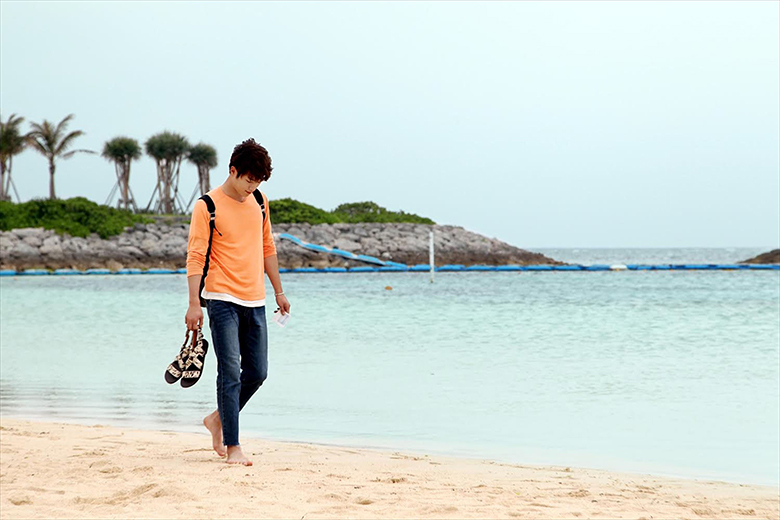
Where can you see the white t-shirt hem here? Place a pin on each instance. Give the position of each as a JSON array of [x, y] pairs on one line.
[[232, 299]]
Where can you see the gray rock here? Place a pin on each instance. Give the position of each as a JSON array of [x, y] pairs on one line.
[[6, 241], [23, 251], [53, 240], [52, 250], [28, 232], [347, 245], [147, 244], [33, 240], [132, 251], [126, 240], [74, 245]]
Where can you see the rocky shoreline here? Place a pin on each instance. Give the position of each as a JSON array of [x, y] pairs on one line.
[[158, 245], [770, 257]]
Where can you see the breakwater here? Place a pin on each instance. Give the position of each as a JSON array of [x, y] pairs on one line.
[[150, 246]]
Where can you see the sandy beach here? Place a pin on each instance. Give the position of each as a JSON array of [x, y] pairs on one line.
[[52, 470]]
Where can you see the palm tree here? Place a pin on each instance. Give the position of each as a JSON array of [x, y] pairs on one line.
[[52, 142], [204, 157], [12, 142], [168, 149], [122, 151]]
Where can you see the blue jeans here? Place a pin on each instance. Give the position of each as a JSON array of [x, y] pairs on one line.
[[240, 340]]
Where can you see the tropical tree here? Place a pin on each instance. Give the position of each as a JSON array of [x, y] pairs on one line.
[[53, 142], [204, 157], [12, 142], [122, 151], [168, 149]]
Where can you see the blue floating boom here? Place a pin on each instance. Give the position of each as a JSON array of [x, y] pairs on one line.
[[334, 270], [509, 268], [66, 272], [567, 268], [597, 267], [538, 268], [420, 268], [342, 253], [159, 271], [315, 247], [306, 270], [363, 269], [35, 272], [370, 259], [451, 267], [7, 272], [393, 269], [97, 271], [129, 270], [291, 238]]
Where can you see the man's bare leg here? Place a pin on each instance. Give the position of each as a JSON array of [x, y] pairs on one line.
[[236, 456], [213, 424]]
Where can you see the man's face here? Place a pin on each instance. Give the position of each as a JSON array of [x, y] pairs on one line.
[[245, 184]]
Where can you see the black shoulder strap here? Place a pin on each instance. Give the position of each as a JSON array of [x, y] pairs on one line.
[[209, 204], [259, 198], [212, 226]]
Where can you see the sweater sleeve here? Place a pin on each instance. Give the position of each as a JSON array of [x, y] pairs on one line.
[[199, 239], [269, 248]]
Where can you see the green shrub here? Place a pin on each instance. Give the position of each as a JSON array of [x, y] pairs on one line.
[[292, 211], [373, 212], [77, 216]]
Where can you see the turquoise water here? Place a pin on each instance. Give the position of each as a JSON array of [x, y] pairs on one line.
[[670, 373]]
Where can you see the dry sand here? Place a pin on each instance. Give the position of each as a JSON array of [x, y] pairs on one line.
[[50, 470]]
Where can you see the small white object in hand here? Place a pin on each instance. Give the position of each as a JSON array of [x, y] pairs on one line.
[[281, 318]]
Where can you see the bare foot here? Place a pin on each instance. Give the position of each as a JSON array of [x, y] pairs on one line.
[[214, 425], [236, 456]]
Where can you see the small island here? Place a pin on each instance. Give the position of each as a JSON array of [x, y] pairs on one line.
[[770, 257]]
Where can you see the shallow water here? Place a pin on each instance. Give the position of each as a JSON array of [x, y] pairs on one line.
[[671, 373]]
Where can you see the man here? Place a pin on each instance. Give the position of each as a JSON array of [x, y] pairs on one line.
[[234, 290]]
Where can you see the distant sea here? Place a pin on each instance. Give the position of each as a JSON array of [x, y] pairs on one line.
[[681, 255], [668, 373]]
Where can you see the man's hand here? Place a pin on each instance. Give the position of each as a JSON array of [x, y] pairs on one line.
[[284, 305], [194, 317]]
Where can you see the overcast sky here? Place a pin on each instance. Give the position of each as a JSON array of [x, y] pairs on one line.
[[559, 124]]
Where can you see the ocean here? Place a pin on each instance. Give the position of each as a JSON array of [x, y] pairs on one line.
[[668, 373]]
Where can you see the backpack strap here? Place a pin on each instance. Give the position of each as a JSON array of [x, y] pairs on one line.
[[212, 226], [259, 198]]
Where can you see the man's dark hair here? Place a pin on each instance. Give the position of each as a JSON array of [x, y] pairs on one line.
[[251, 159]]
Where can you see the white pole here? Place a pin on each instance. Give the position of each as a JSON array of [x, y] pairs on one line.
[[430, 259]]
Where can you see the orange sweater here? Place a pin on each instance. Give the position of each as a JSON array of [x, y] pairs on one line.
[[238, 250]]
